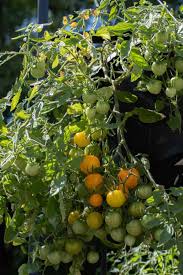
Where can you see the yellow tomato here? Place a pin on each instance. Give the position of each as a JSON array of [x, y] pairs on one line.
[[94, 220], [116, 198], [81, 139]]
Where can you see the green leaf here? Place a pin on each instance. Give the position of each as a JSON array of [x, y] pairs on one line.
[[103, 4], [104, 33], [120, 28], [23, 270], [126, 97], [33, 92], [22, 114], [55, 62], [148, 116], [10, 234], [159, 105], [113, 13], [136, 73], [125, 48], [175, 121], [176, 191], [166, 234], [15, 100], [47, 36], [138, 59], [52, 211]]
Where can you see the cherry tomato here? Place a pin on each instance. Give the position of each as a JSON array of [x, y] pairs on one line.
[[118, 234], [162, 36], [32, 169], [113, 219], [134, 228], [89, 98], [102, 107], [177, 83], [129, 240], [170, 92], [144, 191], [159, 68], [93, 257], [179, 65], [154, 87]]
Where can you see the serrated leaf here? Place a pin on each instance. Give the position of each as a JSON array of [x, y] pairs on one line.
[[22, 114], [33, 92], [148, 116], [113, 13], [55, 62], [126, 97], [15, 100]]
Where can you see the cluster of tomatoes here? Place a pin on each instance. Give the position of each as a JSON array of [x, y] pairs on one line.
[[112, 212]]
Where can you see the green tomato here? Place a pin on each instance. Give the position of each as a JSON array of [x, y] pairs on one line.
[[98, 134], [179, 65], [144, 191], [147, 55], [43, 252], [65, 257], [159, 68], [113, 219], [54, 257], [93, 257], [92, 149], [129, 240], [38, 70], [90, 113], [79, 227], [118, 234], [154, 86], [177, 83], [73, 246], [162, 37], [170, 92], [136, 209], [104, 93], [32, 169], [157, 234], [134, 228], [102, 107], [89, 98], [100, 233]]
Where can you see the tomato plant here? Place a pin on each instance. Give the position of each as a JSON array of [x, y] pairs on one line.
[[67, 186]]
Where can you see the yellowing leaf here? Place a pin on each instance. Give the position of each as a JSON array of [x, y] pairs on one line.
[[22, 114], [74, 109], [47, 36], [55, 62], [4, 130], [104, 33], [33, 93], [15, 100]]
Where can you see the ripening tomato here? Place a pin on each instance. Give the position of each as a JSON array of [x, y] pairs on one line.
[[102, 107], [73, 216], [73, 246], [134, 228], [89, 164], [159, 68], [154, 86], [179, 65], [32, 169], [129, 177], [94, 220], [177, 83], [93, 257]]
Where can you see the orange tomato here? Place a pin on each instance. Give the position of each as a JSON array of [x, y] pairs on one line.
[[89, 163], [116, 198], [129, 177], [93, 181], [95, 200]]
